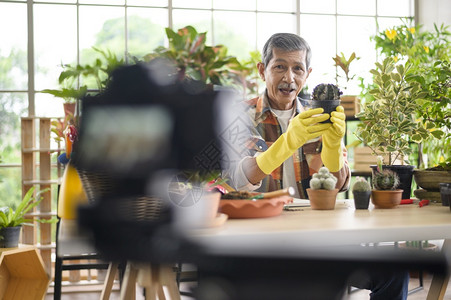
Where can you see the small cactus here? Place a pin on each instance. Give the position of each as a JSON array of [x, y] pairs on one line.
[[385, 180], [326, 91], [323, 180], [361, 185]]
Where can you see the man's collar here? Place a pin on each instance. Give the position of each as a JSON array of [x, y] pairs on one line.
[[264, 106]]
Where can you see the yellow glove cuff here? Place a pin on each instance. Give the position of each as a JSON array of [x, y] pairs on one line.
[[275, 155]]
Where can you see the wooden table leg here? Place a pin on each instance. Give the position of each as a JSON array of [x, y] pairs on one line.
[[128, 288], [109, 281], [439, 284]]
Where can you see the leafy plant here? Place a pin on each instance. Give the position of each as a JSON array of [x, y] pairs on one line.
[[344, 63], [429, 53], [13, 218], [95, 77], [193, 59], [389, 121]]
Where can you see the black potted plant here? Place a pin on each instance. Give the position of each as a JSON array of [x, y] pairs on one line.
[[361, 190], [326, 96], [11, 221]]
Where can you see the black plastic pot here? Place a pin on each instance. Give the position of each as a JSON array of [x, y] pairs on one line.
[[329, 106], [405, 173], [361, 199], [10, 237]]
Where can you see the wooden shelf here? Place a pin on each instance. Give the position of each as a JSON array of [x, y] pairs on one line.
[[22, 274]]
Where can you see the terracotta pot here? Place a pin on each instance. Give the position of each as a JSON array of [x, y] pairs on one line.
[[322, 199], [247, 208], [386, 199], [405, 173]]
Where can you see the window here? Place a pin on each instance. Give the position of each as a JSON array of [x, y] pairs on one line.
[[64, 32]]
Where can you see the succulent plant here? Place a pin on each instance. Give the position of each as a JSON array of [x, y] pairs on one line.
[[361, 185], [326, 91], [385, 180], [323, 180]]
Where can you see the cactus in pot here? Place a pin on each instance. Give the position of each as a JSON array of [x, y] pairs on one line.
[[385, 194], [322, 192], [323, 180], [326, 91], [325, 96], [361, 191]]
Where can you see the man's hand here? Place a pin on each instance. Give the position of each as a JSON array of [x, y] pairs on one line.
[[332, 153], [302, 128]]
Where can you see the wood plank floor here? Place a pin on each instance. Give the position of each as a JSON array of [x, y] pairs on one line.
[[93, 292]]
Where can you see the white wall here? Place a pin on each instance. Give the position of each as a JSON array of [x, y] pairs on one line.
[[434, 11]]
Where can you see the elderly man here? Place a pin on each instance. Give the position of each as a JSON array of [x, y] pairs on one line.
[[289, 144], [298, 144]]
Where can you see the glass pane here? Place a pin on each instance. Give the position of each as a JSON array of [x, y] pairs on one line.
[[323, 49], [109, 2], [146, 29], [388, 23], [159, 3], [199, 19], [235, 4], [102, 27], [354, 36], [13, 49], [323, 6], [269, 23], [48, 106], [400, 8], [231, 34], [192, 3], [49, 54], [356, 7], [12, 107], [11, 187], [281, 5]]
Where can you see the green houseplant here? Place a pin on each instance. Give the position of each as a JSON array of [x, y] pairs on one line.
[[429, 53], [324, 95], [11, 220], [349, 100], [322, 192], [211, 65], [389, 122]]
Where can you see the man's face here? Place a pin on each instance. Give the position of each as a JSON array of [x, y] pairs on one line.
[[285, 76]]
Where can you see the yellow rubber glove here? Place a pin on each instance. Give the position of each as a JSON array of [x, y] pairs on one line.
[[302, 128], [332, 152], [71, 194]]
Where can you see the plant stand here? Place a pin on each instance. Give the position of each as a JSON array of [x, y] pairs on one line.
[[22, 274]]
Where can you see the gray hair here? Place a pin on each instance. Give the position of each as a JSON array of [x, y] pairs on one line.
[[286, 42]]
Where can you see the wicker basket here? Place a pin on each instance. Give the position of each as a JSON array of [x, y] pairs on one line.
[[99, 185]]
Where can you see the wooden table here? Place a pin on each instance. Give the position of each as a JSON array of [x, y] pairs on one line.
[[335, 233]]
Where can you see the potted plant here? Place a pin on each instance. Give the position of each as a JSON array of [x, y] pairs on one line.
[[429, 53], [322, 192], [385, 193], [11, 221], [193, 59], [326, 96], [349, 102], [361, 190], [389, 122]]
